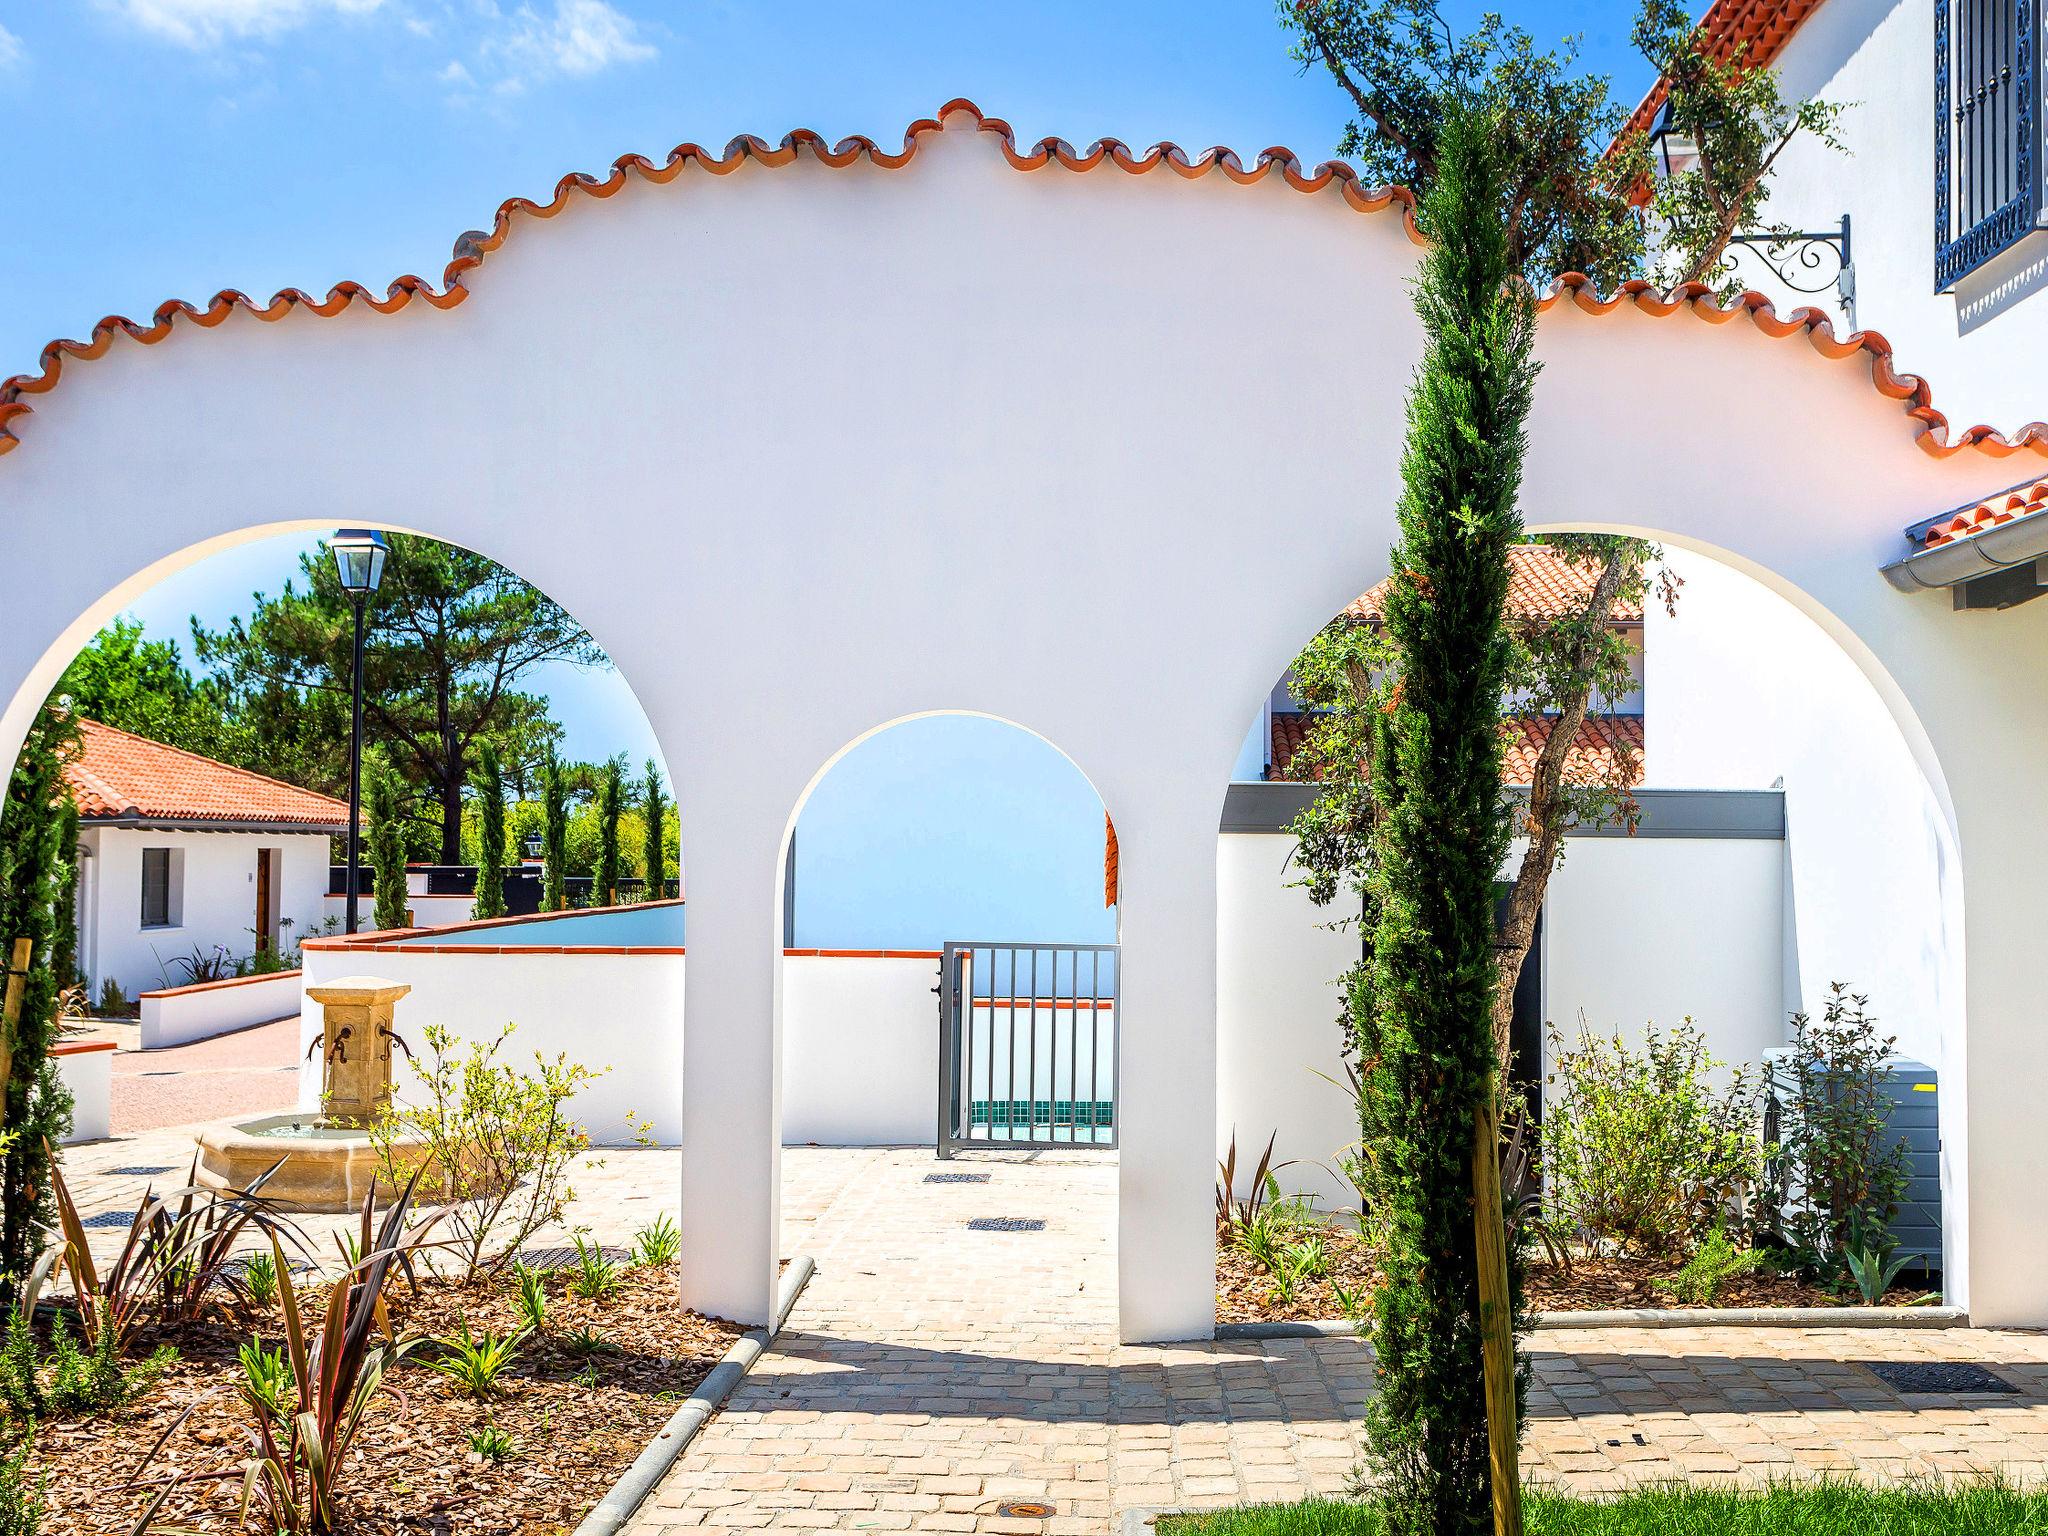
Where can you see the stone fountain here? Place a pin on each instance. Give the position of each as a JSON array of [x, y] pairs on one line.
[[330, 1162]]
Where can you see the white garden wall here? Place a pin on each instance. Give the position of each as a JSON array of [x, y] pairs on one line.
[[860, 1049], [216, 902], [427, 911], [178, 1015], [87, 1068]]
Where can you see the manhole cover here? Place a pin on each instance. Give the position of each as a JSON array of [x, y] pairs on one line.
[[1938, 1376], [105, 1219], [148, 1168], [1025, 1509], [956, 1178], [1005, 1224]]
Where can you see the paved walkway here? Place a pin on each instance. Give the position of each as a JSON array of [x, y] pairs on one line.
[[250, 1072], [935, 1375]]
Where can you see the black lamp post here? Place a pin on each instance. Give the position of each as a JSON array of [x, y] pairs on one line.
[[359, 561]]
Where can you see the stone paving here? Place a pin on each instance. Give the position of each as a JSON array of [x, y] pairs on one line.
[[935, 1373]]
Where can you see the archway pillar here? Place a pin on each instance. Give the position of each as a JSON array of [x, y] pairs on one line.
[[732, 1069], [1166, 1074]]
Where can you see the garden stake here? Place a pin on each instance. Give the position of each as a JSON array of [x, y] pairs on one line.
[[1496, 1319]]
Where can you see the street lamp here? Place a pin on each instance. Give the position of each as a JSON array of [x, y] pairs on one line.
[[359, 562]]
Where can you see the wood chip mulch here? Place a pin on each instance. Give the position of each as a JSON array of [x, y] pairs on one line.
[[577, 1420], [1244, 1291]]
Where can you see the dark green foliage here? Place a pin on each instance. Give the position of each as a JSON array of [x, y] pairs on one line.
[[554, 832], [144, 687], [1427, 1016], [451, 634], [1973, 1507], [72, 1382], [387, 846], [653, 806], [20, 1389], [21, 1495], [64, 913], [35, 872], [610, 801], [490, 864]]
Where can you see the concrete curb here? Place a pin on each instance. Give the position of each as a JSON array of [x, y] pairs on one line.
[[1140, 1522], [1652, 1317], [652, 1464]]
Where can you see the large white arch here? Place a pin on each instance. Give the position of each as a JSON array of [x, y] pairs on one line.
[[1053, 436]]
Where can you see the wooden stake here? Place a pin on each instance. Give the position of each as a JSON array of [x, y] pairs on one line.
[[10, 1016], [1496, 1321]]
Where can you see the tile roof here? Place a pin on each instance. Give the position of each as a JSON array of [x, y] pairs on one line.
[[120, 776], [1591, 759], [1935, 435], [2028, 499], [1543, 583]]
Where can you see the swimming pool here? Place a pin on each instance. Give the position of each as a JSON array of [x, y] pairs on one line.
[[654, 925]]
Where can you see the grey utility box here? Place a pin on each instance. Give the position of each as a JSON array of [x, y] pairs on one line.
[[1914, 1115]]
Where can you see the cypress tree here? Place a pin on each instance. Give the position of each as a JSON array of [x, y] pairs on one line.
[[610, 792], [64, 932], [490, 871], [554, 833], [387, 850], [35, 871], [1441, 845], [652, 807]]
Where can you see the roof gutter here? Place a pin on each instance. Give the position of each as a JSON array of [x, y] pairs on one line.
[[133, 821], [2023, 541]]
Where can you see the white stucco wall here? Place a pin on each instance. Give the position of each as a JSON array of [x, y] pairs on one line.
[[811, 450], [860, 1050], [178, 1015], [219, 899], [1980, 346]]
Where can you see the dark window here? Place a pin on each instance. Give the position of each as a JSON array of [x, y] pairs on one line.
[[156, 887], [1987, 161]]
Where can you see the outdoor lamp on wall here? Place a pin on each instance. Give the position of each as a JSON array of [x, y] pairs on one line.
[[359, 563], [1672, 149]]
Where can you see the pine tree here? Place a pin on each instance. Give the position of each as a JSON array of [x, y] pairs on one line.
[[1441, 844], [387, 849], [38, 847], [490, 871], [610, 793], [652, 808], [554, 833]]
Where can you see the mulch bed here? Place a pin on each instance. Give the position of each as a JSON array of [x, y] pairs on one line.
[[578, 1420], [1244, 1291]]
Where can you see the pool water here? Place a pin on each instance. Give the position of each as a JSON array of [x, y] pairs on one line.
[[634, 927]]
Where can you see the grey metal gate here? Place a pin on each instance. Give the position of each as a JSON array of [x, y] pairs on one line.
[[1027, 1045]]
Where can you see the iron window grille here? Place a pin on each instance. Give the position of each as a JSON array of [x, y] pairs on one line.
[[1987, 159]]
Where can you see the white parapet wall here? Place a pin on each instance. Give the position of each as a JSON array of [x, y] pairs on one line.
[[860, 1048], [87, 1068], [180, 1015]]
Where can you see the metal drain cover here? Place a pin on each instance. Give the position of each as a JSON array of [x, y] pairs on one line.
[[1946, 1377], [956, 1178], [1025, 1509], [1006, 1224], [107, 1219], [145, 1168]]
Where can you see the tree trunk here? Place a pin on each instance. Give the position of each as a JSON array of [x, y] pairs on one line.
[[1545, 817], [451, 814]]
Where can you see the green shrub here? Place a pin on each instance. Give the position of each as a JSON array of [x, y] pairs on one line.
[[474, 1362], [596, 1276], [1839, 1171], [259, 1280], [531, 1296], [1713, 1264], [21, 1496], [1644, 1155], [492, 1443], [658, 1243]]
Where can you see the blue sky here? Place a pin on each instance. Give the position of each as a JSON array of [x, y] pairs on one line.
[[170, 148]]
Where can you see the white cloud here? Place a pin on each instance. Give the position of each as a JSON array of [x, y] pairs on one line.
[[457, 74], [208, 23], [11, 51], [580, 37]]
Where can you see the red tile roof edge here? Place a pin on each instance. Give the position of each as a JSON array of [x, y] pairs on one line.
[[470, 251], [79, 778]]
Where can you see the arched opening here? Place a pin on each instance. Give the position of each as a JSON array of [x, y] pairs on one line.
[[1780, 833], [947, 1018]]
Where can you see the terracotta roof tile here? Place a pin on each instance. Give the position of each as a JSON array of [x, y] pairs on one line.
[[2026, 500], [1935, 435], [1761, 28], [120, 775], [1591, 759], [1543, 583]]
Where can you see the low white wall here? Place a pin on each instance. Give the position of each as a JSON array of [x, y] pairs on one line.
[[860, 1050], [179, 1015], [1636, 930], [427, 911], [618, 1012], [88, 1071]]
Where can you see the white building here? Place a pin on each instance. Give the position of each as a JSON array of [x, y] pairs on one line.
[[181, 854]]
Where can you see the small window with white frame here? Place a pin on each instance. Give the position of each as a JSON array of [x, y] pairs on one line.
[[163, 871]]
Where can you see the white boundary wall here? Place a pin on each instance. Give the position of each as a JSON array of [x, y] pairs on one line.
[[860, 1050], [88, 1071], [180, 1015]]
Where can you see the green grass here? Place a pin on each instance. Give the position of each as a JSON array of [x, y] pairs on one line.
[[1825, 1509]]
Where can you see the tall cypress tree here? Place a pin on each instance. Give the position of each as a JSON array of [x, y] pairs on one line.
[[1441, 844], [387, 849], [490, 864], [611, 792], [652, 807], [554, 833], [38, 847]]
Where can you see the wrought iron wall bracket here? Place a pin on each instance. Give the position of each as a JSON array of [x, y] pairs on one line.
[[1806, 261]]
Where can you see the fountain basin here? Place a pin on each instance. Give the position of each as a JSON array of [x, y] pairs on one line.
[[326, 1168]]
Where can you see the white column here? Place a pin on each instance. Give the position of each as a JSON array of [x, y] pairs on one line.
[[1166, 1083], [732, 1101]]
